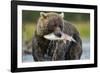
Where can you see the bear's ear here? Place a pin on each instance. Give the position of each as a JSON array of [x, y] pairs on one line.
[[62, 15], [42, 14]]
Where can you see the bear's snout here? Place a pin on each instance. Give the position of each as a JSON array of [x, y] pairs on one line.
[[58, 34]]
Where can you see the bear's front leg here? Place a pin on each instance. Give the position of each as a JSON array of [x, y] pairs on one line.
[[37, 54], [75, 49], [59, 52], [36, 51]]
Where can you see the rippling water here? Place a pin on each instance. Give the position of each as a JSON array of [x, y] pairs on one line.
[[85, 54]]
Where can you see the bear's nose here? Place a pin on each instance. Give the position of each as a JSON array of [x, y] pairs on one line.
[[58, 34]]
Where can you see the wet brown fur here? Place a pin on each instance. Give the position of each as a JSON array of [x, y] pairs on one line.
[[47, 23]]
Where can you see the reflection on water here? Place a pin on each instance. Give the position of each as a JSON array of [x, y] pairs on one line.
[[85, 54], [86, 50]]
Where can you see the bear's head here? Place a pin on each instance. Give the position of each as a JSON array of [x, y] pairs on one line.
[[50, 22]]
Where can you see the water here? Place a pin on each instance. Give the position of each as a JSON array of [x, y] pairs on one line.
[[85, 54], [27, 58], [86, 51]]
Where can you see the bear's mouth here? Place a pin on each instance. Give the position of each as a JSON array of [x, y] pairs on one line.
[[63, 37]]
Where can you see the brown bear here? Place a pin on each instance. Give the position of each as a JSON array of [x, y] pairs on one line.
[[55, 39]]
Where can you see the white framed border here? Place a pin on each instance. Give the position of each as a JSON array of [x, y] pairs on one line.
[[52, 63]]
